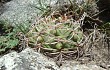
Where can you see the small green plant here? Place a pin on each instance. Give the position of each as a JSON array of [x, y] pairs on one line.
[[43, 7], [8, 42], [9, 37]]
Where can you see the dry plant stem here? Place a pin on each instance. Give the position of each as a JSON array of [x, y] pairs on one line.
[[98, 22], [77, 53], [98, 13]]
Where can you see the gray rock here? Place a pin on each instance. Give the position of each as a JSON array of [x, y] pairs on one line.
[[76, 66], [20, 11], [28, 59]]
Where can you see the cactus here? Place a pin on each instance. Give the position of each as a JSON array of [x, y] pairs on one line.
[[55, 36]]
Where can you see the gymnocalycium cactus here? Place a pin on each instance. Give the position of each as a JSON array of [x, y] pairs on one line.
[[57, 36]]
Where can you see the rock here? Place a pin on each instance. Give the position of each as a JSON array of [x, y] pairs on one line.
[[75, 66], [20, 11], [28, 59]]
